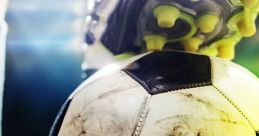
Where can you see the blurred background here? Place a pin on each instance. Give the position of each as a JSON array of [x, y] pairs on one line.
[[248, 52], [43, 62]]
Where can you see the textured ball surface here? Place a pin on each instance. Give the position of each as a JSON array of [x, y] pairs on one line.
[[164, 93]]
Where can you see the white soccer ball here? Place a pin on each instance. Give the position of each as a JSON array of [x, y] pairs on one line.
[[165, 93]]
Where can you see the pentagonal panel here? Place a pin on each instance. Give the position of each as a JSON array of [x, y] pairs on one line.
[[164, 71]]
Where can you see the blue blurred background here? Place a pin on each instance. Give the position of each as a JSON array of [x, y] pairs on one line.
[[43, 62], [44, 59]]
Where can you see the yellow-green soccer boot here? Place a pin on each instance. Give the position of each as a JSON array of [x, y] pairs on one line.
[[211, 27]]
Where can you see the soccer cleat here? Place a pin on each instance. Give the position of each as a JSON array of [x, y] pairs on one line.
[[212, 27], [221, 24]]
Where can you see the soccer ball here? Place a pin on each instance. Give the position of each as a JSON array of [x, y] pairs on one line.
[[164, 93]]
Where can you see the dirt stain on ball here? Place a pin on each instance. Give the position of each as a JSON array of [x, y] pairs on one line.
[[196, 124]]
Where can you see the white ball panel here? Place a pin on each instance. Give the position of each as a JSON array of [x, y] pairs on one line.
[[108, 106], [240, 86], [192, 112]]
